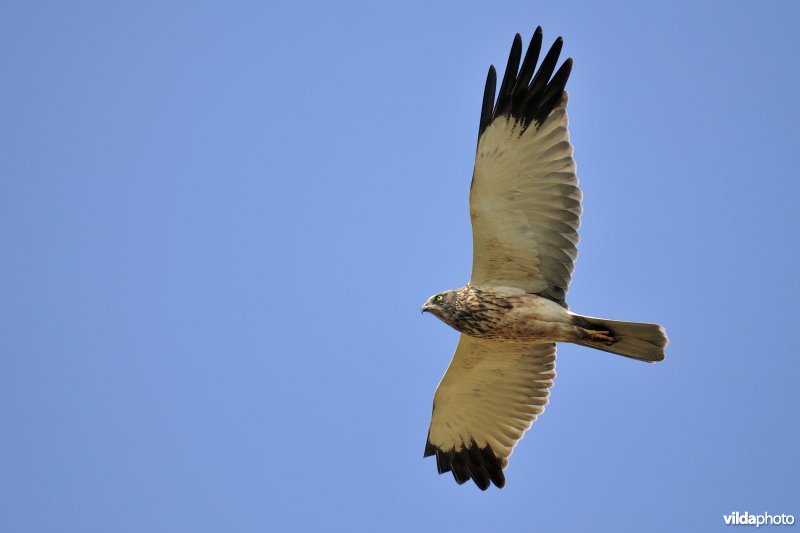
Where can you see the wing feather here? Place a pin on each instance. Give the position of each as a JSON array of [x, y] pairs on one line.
[[489, 396], [525, 203], [525, 207]]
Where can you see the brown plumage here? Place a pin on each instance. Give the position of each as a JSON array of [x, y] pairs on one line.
[[525, 211]]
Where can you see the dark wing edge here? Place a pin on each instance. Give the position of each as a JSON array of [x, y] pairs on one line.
[[527, 101], [471, 462]]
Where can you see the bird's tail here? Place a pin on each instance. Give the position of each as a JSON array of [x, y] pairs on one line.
[[644, 342]]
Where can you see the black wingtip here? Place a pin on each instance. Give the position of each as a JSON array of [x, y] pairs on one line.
[[488, 100], [471, 462], [509, 78], [476, 469], [554, 92], [524, 99], [491, 75], [429, 449], [539, 82], [444, 460]]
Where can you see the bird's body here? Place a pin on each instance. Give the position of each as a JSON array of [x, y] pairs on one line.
[[508, 314], [525, 208]]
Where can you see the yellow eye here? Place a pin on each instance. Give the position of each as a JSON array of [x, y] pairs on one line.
[[439, 298]]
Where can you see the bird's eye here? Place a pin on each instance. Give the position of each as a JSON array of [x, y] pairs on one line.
[[439, 298]]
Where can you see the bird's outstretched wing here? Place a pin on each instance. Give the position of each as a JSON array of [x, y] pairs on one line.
[[525, 203], [489, 396]]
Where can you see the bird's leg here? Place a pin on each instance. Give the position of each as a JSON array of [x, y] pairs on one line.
[[596, 335]]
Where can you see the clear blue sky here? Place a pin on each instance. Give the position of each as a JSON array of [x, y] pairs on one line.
[[219, 220]]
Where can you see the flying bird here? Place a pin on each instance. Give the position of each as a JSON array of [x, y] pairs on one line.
[[525, 207]]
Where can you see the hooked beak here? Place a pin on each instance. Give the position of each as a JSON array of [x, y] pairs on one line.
[[426, 306]]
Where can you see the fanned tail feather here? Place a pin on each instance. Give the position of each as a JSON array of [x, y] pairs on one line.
[[637, 340]]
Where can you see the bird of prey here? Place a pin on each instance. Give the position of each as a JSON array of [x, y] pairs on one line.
[[525, 206]]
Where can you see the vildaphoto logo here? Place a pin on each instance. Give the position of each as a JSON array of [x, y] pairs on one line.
[[758, 520]]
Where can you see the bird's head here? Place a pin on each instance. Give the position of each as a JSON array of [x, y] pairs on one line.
[[441, 305]]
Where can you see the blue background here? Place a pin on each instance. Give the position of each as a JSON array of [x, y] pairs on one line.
[[219, 220]]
